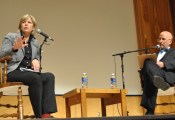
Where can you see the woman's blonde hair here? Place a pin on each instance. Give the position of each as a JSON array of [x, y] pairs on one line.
[[24, 18]]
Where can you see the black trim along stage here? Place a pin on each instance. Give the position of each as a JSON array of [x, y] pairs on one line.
[[148, 117]]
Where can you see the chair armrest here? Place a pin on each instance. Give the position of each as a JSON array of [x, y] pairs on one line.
[[5, 58]]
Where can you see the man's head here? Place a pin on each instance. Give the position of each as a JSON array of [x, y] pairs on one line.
[[165, 39]]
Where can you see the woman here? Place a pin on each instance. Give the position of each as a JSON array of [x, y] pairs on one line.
[[24, 49]]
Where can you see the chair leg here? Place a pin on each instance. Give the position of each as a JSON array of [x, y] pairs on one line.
[[20, 104], [1, 94]]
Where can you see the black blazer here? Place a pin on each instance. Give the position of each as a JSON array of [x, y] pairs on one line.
[[169, 62]]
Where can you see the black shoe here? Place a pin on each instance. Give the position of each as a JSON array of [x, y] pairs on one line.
[[50, 117], [159, 82], [149, 112]]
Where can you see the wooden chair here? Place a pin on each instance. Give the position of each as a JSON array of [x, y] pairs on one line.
[[5, 85]]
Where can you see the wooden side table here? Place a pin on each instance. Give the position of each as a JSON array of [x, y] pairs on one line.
[[107, 96]]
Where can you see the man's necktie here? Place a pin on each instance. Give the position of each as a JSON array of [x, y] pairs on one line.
[[161, 54], [163, 50]]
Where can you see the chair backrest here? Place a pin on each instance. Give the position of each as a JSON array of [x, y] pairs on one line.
[[141, 58], [3, 69]]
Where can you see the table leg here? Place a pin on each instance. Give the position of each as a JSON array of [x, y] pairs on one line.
[[123, 102], [103, 106], [68, 111], [83, 103]]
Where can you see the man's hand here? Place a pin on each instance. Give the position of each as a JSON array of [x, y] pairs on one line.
[[160, 64]]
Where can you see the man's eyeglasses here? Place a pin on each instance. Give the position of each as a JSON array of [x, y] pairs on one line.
[[159, 39]]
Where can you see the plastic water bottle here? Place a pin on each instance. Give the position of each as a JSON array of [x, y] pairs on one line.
[[84, 80], [113, 81]]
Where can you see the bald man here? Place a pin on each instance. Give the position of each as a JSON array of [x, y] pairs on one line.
[[160, 74]]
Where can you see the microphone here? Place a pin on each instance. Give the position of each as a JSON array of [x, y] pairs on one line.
[[157, 46], [154, 47], [43, 34]]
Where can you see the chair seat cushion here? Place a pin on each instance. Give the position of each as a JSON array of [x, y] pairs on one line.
[[11, 88], [170, 91]]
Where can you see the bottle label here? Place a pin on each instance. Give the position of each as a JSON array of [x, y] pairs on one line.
[[84, 80], [113, 83], [113, 80]]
